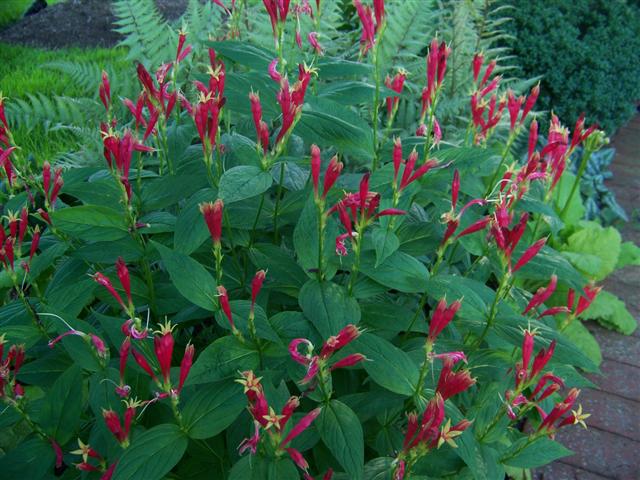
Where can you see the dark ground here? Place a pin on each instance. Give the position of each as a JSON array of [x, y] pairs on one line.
[[76, 23]]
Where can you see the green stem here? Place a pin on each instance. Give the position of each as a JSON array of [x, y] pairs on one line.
[[322, 223], [423, 370], [376, 107], [357, 246], [493, 312], [576, 183], [255, 222], [277, 206], [505, 153]]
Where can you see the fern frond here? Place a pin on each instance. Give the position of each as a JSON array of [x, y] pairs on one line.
[[50, 112], [87, 76], [146, 33]]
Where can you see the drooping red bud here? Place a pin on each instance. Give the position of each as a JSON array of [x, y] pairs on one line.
[[256, 286]]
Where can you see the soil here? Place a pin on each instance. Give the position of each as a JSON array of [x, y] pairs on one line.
[[76, 23]]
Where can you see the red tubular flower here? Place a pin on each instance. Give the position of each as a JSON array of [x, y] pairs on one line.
[[99, 345], [331, 175], [105, 91], [316, 162], [213, 214], [304, 423], [223, 297], [185, 365], [295, 354], [531, 101], [451, 383], [455, 188], [313, 40], [475, 227], [341, 340], [112, 421], [541, 359], [297, 458], [348, 361], [533, 138], [106, 283], [46, 178], [146, 81], [409, 175], [125, 349], [256, 286], [584, 302], [513, 106], [396, 84], [542, 295], [478, 60], [441, 317], [35, 241], [369, 28], [397, 157], [58, 183], [163, 346], [529, 253], [288, 410], [142, 362], [559, 410], [182, 52], [527, 349], [123, 275], [24, 223]]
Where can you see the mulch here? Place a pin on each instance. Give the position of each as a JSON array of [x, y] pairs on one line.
[[76, 23]]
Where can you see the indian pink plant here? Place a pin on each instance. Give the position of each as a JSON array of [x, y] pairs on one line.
[[312, 313]]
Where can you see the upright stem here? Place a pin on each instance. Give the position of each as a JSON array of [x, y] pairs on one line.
[[376, 106], [322, 223], [505, 152], [494, 310], [576, 183], [356, 263], [423, 370], [277, 207]]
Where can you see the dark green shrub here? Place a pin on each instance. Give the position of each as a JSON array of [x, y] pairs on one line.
[[587, 54]]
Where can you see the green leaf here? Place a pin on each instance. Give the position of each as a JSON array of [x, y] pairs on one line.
[[577, 333], [341, 432], [191, 279], [305, 241], [152, 454], [223, 359], [244, 53], [285, 275], [328, 307], [92, 223], [256, 467], [59, 417], [331, 124], [399, 271], [593, 239], [191, 229], [242, 182], [388, 366], [170, 189], [540, 452], [561, 193], [31, 459], [71, 288], [610, 312], [240, 310], [629, 255], [386, 242], [212, 409]]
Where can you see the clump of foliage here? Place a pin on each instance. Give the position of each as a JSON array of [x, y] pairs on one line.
[[563, 42], [265, 276]]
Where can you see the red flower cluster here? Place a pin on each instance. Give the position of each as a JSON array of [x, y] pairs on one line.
[[266, 420], [118, 152], [427, 433], [11, 241], [410, 174], [9, 369], [331, 174], [359, 210], [206, 112], [371, 23], [87, 452], [452, 219], [396, 84], [316, 364], [479, 103], [6, 147]]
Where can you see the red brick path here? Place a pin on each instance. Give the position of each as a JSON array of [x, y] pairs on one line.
[[610, 449]]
